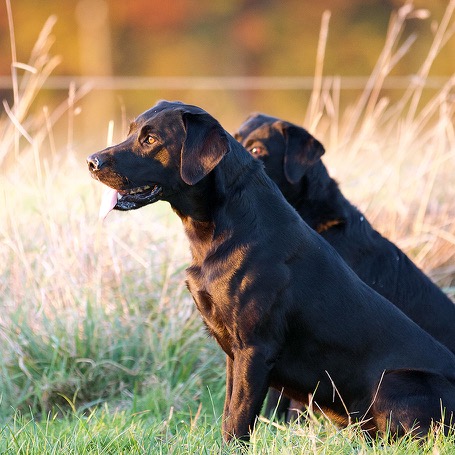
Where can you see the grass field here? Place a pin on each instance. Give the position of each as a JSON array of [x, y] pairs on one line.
[[102, 349]]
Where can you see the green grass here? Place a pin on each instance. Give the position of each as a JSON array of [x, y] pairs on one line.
[[105, 431], [87, 317], [102, 350]]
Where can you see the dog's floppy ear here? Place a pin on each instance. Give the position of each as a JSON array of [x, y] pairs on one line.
[[302, 151], [205, 145]]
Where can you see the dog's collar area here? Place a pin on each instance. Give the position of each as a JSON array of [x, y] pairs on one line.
[[322, 227]]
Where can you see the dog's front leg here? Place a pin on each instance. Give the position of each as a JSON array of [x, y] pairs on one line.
[[229, 382], [248, 383]]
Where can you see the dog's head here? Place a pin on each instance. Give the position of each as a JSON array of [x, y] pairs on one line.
[[287, 150], [169, 148]]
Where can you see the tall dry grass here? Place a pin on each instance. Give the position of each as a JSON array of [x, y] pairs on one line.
[[396, 160], [90, 312], [23, 132]]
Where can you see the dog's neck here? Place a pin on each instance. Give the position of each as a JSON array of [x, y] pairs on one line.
[[220, 201], [318, 199]]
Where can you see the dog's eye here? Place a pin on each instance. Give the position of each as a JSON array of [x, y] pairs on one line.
[[149, 139], [256, 150]]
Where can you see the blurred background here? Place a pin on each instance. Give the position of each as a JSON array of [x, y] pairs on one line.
[[229, 57]]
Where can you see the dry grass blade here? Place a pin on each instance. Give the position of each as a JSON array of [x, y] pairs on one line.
[[314, 108], [16, 122], [13, 51], [19, 120], [379, 72], [441, 36]]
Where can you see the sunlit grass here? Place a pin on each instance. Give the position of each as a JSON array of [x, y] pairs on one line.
[[102, 348]]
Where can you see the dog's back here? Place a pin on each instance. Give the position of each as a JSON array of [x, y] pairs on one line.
[[292, 159]]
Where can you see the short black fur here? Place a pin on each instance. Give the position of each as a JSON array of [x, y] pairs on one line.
[[285, 308], [316, 196]]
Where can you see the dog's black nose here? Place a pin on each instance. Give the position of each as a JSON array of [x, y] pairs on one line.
[[94, 163]]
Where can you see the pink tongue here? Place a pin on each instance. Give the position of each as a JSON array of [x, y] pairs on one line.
[[108, 202]]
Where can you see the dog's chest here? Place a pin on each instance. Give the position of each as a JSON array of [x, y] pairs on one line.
[[216, 309]]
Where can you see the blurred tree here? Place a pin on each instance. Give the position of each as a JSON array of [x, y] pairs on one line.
[[95, 51], [215, 37]]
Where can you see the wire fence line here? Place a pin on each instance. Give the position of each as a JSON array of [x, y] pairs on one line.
[[234, 83]]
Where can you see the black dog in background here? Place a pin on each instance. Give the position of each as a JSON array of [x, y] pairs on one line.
[[282, 304], [292, 158]]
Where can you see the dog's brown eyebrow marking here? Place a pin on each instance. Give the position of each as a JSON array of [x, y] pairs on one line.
[[248, 143], [322, 227]]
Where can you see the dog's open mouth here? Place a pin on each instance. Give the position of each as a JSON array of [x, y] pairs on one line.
[[131, 199]]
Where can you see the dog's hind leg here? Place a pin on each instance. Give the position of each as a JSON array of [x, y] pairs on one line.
[[412, 401]]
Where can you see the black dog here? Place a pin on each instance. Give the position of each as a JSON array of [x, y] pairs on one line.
[[292, 159], [282, 304]]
